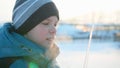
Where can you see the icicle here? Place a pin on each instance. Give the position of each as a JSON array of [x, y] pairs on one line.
[[88, 49], [85, 64]]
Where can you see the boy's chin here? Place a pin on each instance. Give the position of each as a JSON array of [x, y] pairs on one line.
[[47, 46]]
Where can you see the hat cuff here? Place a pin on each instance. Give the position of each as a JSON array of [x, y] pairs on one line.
[[38, 16]]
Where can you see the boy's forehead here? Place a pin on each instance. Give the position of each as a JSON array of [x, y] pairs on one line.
[[52, 18]]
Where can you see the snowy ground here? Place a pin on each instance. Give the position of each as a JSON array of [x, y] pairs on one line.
[[103, 54]]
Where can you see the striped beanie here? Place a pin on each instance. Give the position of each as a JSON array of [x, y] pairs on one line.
[[29, 13]]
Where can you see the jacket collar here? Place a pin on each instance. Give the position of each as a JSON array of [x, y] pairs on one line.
[[14, 44]]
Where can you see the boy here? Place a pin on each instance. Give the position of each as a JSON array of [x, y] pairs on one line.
[[28, 42]]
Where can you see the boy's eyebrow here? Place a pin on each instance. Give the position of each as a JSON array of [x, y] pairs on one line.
[[48, 19]]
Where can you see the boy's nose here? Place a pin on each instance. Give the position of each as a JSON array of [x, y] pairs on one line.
[[52, 29]]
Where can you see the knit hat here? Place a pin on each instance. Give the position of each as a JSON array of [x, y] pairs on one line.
[[29, 13]]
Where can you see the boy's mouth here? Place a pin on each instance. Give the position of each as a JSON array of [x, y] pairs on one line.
[[50, 39]]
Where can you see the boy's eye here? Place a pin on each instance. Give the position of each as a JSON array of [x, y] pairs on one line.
[[45, 23]]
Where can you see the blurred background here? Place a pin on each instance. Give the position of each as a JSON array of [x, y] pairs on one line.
[[77, 19]]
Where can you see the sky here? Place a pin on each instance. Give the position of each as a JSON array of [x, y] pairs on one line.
[[70, 8], [67, 8]]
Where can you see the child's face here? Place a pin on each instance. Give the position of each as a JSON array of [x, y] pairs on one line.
[[44, 33]]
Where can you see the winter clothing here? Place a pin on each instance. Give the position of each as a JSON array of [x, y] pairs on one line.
[[28, 13], [23, 52]]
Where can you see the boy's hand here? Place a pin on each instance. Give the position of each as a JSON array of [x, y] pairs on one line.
[[52, 52]]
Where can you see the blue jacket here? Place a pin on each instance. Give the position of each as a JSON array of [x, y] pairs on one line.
[[15, 45]]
